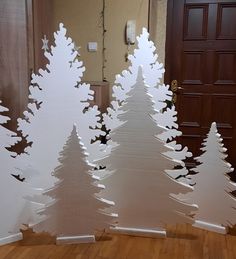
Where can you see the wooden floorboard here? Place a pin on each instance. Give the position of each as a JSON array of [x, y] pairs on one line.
[[182, 242]]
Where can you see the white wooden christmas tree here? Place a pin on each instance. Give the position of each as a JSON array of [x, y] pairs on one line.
[[138, 182], [14, 209], [75, 212], [58, 101], [153, 71], [213, 187]]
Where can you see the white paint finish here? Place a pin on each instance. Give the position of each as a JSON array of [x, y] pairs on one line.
[[14, 209], [75, 240], [75, 209], [7, 137], [10, 239], [139, 232], [210, 227], [153, 71], [11, 202], [62, 101], [213, 186], [138, 182]]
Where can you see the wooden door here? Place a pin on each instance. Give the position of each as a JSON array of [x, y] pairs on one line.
[[201, 56]]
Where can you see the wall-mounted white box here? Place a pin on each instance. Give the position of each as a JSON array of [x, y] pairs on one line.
[[92, 46]]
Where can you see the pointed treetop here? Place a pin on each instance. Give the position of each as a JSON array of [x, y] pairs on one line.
[[74, 131], [62, 29], [140, 76], [145, 31], [61, 26], [145, 34], [213, 127]]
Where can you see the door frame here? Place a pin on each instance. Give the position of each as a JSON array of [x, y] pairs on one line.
[[169, 40]]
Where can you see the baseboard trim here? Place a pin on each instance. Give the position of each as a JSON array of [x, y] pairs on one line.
[[210, 227], [11, 238], [75, 240], [138, 232]]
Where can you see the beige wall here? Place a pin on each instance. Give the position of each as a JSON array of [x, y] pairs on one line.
[[158, 26], [83, 20], [117, 14]]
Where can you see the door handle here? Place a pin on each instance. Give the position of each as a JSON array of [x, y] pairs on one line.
[[174, 86]]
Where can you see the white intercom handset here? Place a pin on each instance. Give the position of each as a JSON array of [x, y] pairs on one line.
[[130, 32]]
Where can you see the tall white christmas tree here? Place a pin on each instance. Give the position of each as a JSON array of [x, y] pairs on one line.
[[139, 184], [153, 71], [76, 211], [13, 207], [58, 101], [212, 192]]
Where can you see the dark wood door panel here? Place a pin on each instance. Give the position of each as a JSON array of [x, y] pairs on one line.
[[225, 67], [226, 21], [201, 38], [193, 63], [191, 105], [193, 143], [195, 20]]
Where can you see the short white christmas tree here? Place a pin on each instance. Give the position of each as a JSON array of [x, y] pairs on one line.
[[13, 207], [212, 192], [153, 71], [58, 101], [75, 211], [138, 182]]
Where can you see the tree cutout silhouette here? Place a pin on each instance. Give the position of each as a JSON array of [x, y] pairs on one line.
[[153, 71], [58, 101], [75, 209], [213, 188], [137, 181], [14, 209]]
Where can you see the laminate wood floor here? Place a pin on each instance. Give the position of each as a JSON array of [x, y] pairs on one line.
[[183, 241]]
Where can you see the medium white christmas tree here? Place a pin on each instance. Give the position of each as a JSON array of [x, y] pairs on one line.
[[58, 101], [14, 209], [153, 71], [212, 191], [76, 210], [139, 184]]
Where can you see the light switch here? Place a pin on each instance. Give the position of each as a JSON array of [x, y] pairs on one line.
[[92, 46]]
